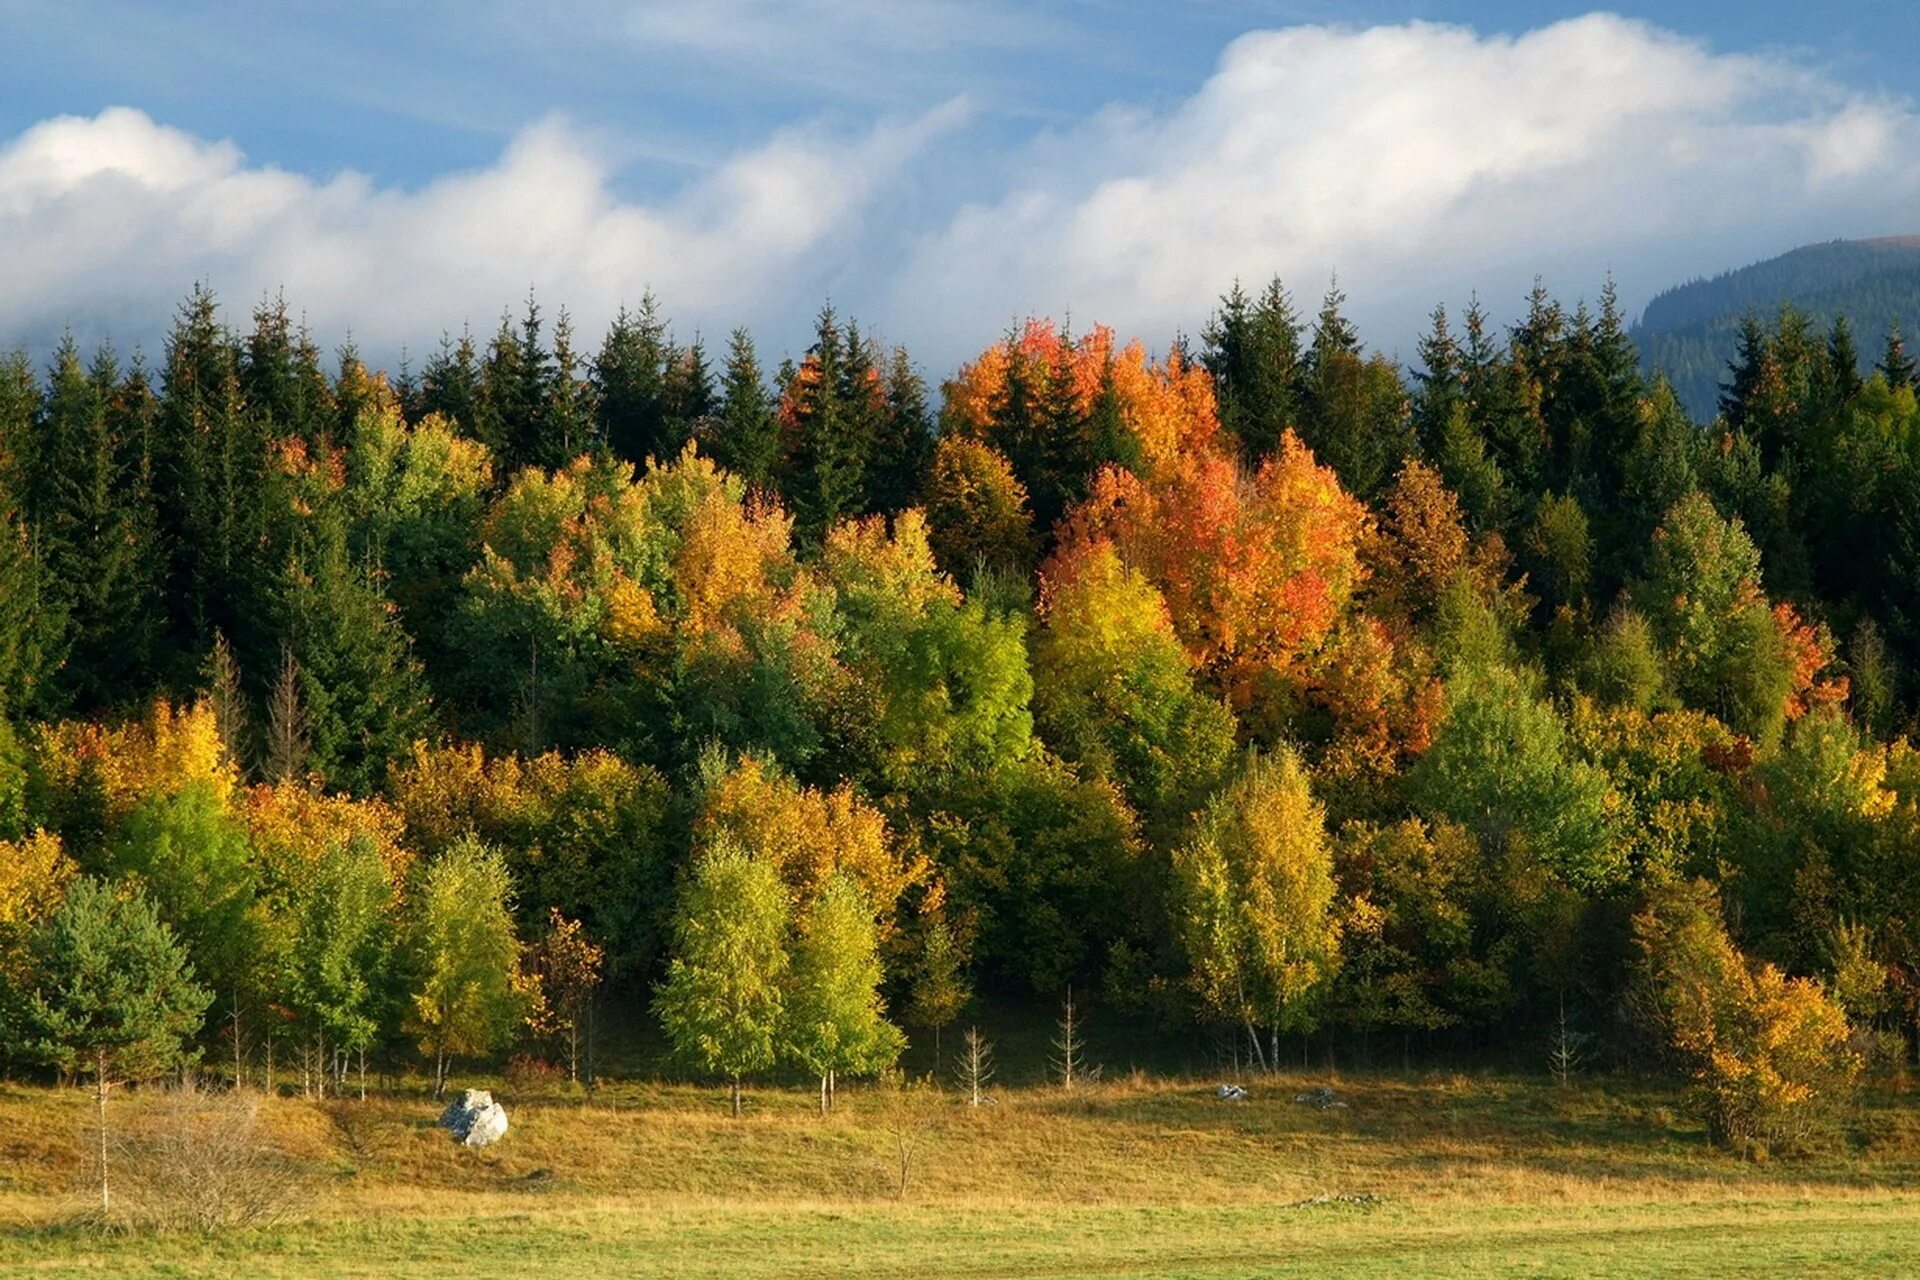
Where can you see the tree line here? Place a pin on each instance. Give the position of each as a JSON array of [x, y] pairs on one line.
[[1260, 685]]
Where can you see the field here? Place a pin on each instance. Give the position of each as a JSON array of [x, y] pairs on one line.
[[1421, 1174]]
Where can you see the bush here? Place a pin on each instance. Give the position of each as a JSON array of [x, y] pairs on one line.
[[199, 1162], [1767, 1054]]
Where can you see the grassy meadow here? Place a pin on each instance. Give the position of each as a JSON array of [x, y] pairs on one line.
[[1421, 1174]]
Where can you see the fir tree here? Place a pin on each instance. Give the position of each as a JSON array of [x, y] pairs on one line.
[[745, 436]]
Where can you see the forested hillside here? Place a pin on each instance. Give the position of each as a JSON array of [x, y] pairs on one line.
[[1691, 332], [1251, 686]]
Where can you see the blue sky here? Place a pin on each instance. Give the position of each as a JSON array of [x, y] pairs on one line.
[[939, 167]]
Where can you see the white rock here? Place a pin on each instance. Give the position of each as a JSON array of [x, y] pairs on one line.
[[475, 1119]]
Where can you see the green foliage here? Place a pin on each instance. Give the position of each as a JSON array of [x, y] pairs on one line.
[[836, 1021], [112, 991], [196, 865], [469, 994], [1253, 896], [338, 943], [1500, 766], [723, 1003]]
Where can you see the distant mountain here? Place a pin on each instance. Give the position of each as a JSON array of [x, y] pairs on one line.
[[1690, 332]]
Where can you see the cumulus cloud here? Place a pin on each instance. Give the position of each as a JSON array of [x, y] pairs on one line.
[[105, 220], [1419, 161]]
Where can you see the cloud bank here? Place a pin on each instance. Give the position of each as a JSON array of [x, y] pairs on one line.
[[1418, 161]]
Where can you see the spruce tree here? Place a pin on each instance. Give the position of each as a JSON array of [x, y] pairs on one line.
[[1896, 366], [904, 448], [628, 377], [360, 688], [450, 384], [745, 436]]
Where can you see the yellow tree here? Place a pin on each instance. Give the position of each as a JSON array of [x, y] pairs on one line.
[[1253, 897]]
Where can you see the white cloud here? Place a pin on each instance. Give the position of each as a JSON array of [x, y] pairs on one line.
[[1423, 160], [104, 221], [1419, 161]]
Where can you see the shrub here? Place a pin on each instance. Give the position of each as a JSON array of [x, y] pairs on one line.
[[1767, 1054]]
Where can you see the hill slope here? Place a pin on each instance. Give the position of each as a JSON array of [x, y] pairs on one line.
[[1689, 332]]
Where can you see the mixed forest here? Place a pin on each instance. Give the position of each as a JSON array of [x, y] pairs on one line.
[[1262, 687]]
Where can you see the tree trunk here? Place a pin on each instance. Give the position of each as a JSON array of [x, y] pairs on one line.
[[238, 1077], [573, 1050], [100, 1120], [1273, 1038], [363, 1073], [736, 1097], [1259, 1054], [823, 1093]]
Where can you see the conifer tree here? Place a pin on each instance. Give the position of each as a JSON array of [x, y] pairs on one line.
[[904, 448], [1896, 366], [450, 384], [629, 391], [745, 436], [360, 686], [113, 995]]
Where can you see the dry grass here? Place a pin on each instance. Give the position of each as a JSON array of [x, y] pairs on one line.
[[1132, 1175]]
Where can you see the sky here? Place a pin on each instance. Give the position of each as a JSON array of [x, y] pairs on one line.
[[937, 168]]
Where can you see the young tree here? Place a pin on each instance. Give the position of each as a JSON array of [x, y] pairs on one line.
[[723, 1001], [836, 1020], [114, 994], [974, 1066], [336, 951], [1253, 897], [940, 988], [471, 994], [568, 964]]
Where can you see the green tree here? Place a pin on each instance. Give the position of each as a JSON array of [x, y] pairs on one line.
[[836, 1020], [336, 951], [629, 384], [1252, 900], [359, 684], [196, 864], [1500, 766], [469, 993], [744, 436], [113, 994], [723, 1001]]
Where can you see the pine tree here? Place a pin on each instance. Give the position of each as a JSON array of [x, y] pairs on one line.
[[113, 995], [450, 384], [98, 529], [1896, 366], [569, 420], [360, 687], [280, 375], [689, 398], [904, 448], [829, 413], [745, 436], [629, 391]]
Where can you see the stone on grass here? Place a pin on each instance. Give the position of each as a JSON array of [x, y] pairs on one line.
[[1231, 1093], [475, 1119]]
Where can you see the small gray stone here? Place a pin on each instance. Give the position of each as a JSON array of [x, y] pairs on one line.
[[1231, 1093], [475, 1119]]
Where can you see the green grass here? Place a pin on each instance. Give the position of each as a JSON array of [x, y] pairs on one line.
[[1462, 1174]]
